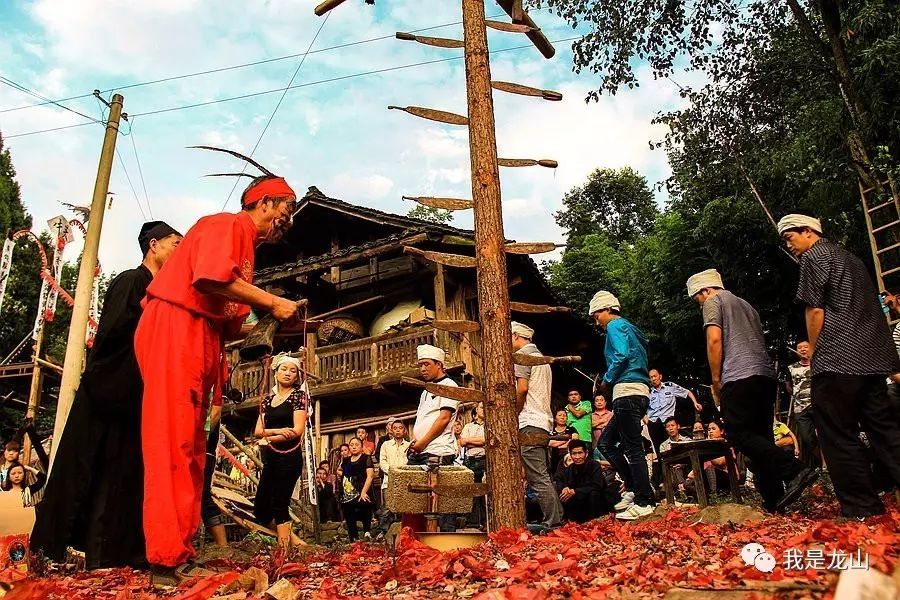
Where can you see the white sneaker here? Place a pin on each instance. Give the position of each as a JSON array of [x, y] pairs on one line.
[[626, 501], [635, 512]]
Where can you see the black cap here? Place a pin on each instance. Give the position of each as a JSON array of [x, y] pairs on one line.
[[154, 230]]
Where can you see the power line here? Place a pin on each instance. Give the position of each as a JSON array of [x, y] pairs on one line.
[[22, 88], [293, 87], [140, 170], [128, 177], [102, 108], [277, 106], [232, 67]]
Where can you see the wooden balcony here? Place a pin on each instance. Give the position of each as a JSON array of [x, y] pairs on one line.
[[351, 366]]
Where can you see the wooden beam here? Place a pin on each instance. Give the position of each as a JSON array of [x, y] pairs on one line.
[[532, 247], [505, 502], [325, 263], [432, 114], [536, 36], [430, 41], [442, 203], [524, 90], [446, 391], [525, 307], [324, 7], [443, 258], [440, 305], [535, 360], [456, 326], [508, 27], [527, 162]]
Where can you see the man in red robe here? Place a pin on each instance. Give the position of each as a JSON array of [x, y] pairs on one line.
[[196, 303]]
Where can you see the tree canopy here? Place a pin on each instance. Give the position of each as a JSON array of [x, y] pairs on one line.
[[780, 121]]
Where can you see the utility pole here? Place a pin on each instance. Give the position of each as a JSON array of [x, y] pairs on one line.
[[505, 500], [34, 394], [72, 366]]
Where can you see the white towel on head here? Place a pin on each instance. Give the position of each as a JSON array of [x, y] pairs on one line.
[[709, 278], [796, 221], [603, 300], [429, 352], [281, 359], [523, 331]]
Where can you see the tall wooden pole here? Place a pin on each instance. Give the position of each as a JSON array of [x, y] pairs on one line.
[[505, 501], [34, 393], [80, 311]]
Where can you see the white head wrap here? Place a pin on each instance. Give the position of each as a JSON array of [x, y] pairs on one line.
[[603, 300], [796, 221], [523, 331], [709, 278], [427, 351], [281, 359]]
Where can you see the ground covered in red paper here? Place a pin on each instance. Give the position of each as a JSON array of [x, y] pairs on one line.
[[601, 559]]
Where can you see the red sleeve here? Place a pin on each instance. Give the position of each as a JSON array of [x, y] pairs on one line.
[[218, 253]]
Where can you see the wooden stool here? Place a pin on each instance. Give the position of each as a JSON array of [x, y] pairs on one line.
[[696, 451]]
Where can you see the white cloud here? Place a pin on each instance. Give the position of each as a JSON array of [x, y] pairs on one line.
[[357, 188], [337, 136]]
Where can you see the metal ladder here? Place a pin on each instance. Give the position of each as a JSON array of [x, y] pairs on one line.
[[881, 207]]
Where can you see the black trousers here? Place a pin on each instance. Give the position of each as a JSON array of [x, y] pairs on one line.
[[478, 465], [842, 404], [748, 406], [805, 429], [357, 511], [658, 435]]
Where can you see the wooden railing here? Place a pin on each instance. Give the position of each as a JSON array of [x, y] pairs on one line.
[[366, 358], [369, 357]]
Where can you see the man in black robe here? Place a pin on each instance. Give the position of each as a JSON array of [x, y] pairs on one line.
[[93, 499], [582, 488]]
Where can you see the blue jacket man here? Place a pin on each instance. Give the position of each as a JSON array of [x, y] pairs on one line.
[[629, 383]]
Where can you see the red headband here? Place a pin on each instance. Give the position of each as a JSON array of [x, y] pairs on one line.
[[271, 187]]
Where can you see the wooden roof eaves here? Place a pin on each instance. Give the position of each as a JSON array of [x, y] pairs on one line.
[[326, 261]]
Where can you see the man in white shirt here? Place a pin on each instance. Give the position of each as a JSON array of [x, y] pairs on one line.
[[533, 386], [393, 452], [433, 430], [473, 439]]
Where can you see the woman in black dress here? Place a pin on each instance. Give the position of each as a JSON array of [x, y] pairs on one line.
[[280, 427], [559, 448]]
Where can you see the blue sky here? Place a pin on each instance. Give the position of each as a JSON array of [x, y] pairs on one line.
[[338, 136]]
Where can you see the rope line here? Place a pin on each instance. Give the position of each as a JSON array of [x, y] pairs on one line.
[[302, 85], [275, 111], [233, 67]]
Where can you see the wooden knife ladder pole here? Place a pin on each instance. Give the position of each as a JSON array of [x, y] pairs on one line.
[[881, 208]]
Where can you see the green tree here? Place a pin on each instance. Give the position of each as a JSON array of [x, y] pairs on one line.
[[429, 213], [722, 38], [618, 203], [22, 290]]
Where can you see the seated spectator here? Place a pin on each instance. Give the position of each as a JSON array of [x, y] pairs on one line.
[[699, 431], [599, 420], [559, 448], [673, 431], [785, 439], [582, 487], [715, 470], [17, 480], [10, 457], [327, 502]]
